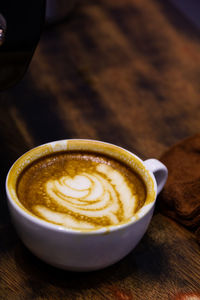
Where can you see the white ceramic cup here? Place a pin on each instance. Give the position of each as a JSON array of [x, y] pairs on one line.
[[80, 250]]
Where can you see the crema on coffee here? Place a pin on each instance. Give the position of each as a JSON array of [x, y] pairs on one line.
[[81, 190]]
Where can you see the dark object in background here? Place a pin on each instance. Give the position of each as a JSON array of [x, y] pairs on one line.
[[20, 29], [180, 198], [190, 9]]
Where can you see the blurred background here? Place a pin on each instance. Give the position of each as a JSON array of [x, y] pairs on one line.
[[103, 70]]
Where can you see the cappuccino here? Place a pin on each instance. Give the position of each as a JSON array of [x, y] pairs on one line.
[[81, 190], [80, 204]]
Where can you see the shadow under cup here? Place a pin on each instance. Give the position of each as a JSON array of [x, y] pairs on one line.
[[80, 250]]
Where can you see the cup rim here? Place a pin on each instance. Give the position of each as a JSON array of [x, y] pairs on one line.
[[56, 227]]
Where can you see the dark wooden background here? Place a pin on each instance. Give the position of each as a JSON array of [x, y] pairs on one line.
[[125, 72]]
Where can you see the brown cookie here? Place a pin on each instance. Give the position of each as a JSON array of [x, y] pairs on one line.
[[180, 198]]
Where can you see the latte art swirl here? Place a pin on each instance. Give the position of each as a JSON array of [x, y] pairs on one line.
[[88, 197], [81, 192]]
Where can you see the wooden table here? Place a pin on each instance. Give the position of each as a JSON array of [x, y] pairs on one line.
[[125, 72]]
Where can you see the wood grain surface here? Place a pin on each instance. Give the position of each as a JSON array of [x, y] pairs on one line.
[[125, 72]]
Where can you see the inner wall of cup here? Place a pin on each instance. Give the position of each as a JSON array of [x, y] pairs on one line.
[[116, 152]]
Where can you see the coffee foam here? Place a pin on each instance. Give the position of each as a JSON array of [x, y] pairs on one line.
[[91, 195], [81, 190]]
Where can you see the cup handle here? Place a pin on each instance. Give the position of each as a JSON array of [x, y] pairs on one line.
[[159, 171]]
